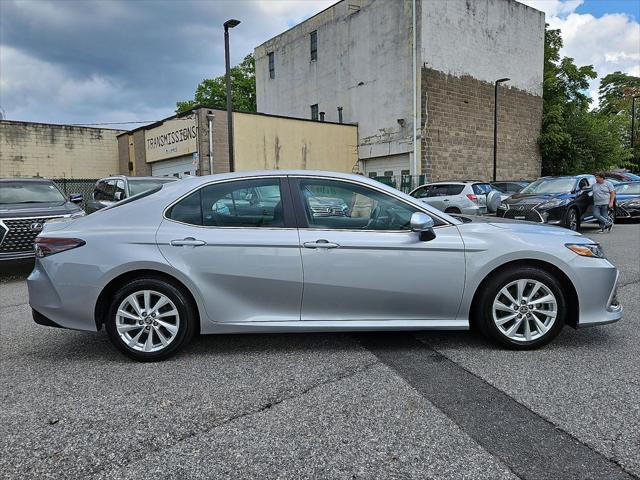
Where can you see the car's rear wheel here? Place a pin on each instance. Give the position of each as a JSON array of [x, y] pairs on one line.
[[150, 319], [572, 220], [522, 308]]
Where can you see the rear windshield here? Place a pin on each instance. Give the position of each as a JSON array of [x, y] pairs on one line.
[[139, 186], [481, 188], [145, 193], [30, 192]]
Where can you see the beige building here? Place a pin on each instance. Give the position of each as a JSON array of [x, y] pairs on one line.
[[180, 145], [30, 149]]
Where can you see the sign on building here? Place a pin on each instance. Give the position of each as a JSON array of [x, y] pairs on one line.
[[174, 138]]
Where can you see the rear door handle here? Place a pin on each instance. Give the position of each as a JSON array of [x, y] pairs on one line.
[[188, 242], [320, 244]]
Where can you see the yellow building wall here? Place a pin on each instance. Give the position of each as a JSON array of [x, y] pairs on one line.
[[57, 151], [275, 143]]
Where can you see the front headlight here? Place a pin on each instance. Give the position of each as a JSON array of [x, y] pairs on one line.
[[553, 204], [586, 249], [78, 214]]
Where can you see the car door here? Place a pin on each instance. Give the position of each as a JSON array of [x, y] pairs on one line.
[[367, 265], [437, 195], [584, 198], [246, 264]]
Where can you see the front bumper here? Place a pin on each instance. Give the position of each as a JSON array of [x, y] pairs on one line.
[[595, 281], [625, 211]]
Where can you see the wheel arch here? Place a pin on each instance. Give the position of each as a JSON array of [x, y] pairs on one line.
[[565, 281], [102, 304]]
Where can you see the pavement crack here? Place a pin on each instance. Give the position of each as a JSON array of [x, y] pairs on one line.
[[134, 456]]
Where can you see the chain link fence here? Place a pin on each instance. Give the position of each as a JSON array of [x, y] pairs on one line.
[[405, 183], [81, 186]]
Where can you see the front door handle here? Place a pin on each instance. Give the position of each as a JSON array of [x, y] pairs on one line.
[[320, 244], [188, 242]]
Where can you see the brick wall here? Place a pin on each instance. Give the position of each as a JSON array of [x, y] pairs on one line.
[[457, 129], [56, 151], [220, 141]]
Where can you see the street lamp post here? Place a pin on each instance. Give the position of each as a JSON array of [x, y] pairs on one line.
[[633, 131], [495, 126], [231, 23]]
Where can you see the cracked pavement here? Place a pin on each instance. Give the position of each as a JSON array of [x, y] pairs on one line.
[[299, 405]]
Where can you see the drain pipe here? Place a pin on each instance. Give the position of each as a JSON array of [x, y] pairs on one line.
[[210, 117]]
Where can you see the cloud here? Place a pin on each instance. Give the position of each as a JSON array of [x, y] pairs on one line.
[[67, 61], [610, 42]]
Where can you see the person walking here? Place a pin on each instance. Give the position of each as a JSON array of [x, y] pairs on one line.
[[603, 198]]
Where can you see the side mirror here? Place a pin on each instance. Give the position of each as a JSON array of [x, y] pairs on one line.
[[76, 198], [423, 224]]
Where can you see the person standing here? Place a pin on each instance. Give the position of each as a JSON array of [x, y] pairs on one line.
[[603, 198]]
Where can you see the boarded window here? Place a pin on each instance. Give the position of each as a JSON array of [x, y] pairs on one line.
[[272, 65], [314, 45]]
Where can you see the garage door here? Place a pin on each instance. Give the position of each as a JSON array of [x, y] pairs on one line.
[[176, 167], [389, 166]]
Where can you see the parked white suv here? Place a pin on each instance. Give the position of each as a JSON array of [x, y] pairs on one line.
[[455, 197]]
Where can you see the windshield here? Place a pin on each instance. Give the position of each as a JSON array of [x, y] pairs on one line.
[[139, 186], [550, 185], [30, 192], [628, 188]]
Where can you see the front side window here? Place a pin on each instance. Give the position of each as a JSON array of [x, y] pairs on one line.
[[272, 65], [314, 45], [332, 204], [244, 203]]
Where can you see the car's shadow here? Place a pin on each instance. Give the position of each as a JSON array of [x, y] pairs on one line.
[[65, 345]]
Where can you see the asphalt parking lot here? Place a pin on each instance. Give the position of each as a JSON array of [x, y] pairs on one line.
[[406, 405]]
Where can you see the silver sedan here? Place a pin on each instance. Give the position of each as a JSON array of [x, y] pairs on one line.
[[249, 252]]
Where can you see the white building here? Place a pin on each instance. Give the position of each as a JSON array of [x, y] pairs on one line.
[[418, 78]]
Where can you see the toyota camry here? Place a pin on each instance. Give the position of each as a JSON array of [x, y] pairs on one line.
[[251, 252]]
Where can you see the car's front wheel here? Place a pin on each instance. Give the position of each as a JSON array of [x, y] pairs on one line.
[[572, 220], [150, 319], [522, 308]]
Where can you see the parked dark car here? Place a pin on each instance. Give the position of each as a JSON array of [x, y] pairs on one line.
[[25, 204], [628, 200], [622, 176], [510, 187], [565, 201], [114, 189]]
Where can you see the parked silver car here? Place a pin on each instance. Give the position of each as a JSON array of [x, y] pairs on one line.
[[157, 268], [469, 198]]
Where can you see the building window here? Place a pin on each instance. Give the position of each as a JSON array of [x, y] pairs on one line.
[[314, 112], [373, 174], [272, 65], [314, 45], [388, 173], [404, 172]]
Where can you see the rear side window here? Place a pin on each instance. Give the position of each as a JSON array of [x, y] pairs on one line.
[[245, 203], [455, 189], [188, 210], [438, 191]]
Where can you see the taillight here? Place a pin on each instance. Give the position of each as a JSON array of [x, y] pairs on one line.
[[45, 246], [472, 197]]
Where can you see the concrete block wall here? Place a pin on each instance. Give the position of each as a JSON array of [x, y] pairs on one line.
[[56, 151], [457, 129]]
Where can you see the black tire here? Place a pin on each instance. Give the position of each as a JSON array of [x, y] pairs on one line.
[[184, 306], [452, 210], [483, 312], [572, 219]]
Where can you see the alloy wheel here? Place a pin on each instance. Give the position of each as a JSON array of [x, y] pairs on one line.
[[147, 321], [573, 220], [524, 310]]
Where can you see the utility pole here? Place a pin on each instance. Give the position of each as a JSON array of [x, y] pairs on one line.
[[231, 23]]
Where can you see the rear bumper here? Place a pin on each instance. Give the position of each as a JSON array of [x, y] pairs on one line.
[[42, 320]]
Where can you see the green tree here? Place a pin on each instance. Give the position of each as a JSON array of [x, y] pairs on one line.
[[212, 92], [575, 139]]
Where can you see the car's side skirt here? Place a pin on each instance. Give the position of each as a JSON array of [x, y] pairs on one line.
[[332, 326]]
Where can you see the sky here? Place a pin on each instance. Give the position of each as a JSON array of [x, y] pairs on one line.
[[104, 61]]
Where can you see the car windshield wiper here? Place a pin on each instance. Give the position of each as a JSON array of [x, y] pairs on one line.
[[26, 201]]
